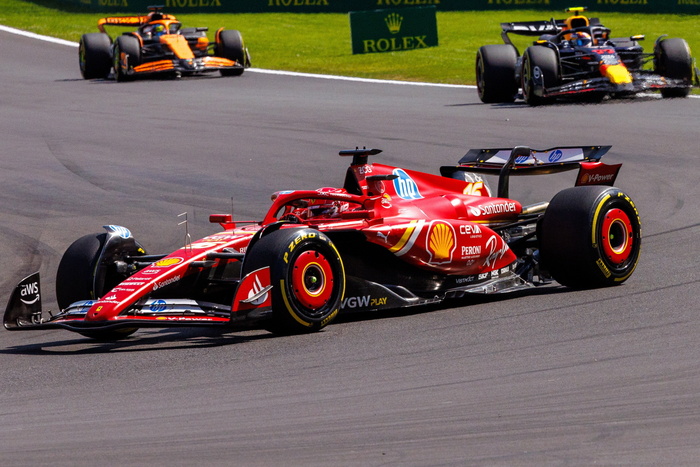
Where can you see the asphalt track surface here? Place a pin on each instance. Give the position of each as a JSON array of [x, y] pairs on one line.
[[553, 377]]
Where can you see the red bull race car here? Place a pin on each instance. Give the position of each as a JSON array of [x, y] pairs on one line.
[[388, 238], [160, 46], [576, 58]]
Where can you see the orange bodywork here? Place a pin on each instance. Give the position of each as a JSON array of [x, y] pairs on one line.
[[178, 45]]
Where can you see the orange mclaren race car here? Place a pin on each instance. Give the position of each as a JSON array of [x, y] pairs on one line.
[[160, 46]]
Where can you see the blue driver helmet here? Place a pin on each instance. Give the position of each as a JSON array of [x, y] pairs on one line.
[[581, 39]]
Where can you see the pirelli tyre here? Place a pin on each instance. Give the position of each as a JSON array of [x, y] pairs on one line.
[[127, 55], [590, 237], [76, 279], [495, 73], [540, 70], [95, 55], [229, 44], [307, 276], [672, 59]]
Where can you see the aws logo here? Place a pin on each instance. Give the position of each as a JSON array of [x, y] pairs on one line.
[[29, 293], [440, 242], [404, 185]]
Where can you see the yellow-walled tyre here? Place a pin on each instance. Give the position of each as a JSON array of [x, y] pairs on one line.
[[307, 275], [540, 70], [95, 55], [590, 237]]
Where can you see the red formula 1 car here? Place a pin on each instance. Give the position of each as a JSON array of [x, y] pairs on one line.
[[160, 46], [389, 238], [576, 58]]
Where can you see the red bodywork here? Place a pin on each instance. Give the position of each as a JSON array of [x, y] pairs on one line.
[[450, 235]]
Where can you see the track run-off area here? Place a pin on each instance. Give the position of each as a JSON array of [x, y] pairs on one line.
[[549, 377]]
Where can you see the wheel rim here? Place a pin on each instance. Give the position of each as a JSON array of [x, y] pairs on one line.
[[525, 78], [617, 236], [480, 76], [117, 61], [312, 280], [81, 56]]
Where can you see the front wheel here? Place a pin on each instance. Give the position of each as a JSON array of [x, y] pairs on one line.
[[229, 44], [80, 276], [307, 276], [672, 59], [590, 237], [540, 70], [94, 55], [127, 55], [495, 73]]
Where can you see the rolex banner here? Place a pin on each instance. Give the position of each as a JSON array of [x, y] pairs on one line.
[[393, 30]]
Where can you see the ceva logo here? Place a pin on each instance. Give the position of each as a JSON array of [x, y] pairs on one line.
[[404, 185]]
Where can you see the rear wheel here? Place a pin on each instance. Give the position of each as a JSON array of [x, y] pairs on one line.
[[94, 54], [540, 70], [307, 276], [590, 237], [76, 279], [495, 73], [230, 45], [127, 55], [672, 59]]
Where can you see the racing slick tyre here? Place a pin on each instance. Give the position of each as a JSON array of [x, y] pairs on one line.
[[672, 59], [75, 280], [307, 277], [540, 70], [495, 73], [127, 55], [229, 44], [95, 55], [590, 237]]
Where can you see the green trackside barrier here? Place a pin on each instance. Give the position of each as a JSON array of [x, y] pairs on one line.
[[345, 6], [393, 30]]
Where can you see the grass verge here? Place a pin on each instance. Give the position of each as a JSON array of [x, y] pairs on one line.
[[320, 43]]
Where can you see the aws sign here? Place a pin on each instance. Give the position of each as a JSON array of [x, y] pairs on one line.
[[393, 30]]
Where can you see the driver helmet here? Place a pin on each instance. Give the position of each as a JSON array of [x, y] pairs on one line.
[[158, 30], [581, 39]]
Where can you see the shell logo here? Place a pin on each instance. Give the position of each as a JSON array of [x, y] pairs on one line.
[[164, 263], [440, 242]]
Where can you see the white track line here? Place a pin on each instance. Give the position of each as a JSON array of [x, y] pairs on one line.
[[32, 35], [19, 32]]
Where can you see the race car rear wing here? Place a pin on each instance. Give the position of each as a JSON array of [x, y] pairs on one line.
[[536, 28], [128, 21], [522, 160]]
